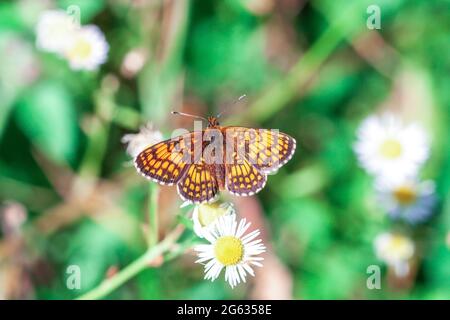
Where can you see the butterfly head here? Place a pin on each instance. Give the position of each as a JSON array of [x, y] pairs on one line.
[[212, 122]]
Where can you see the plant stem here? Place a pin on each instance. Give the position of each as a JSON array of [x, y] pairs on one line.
[[134, 268], [152, 235], [98, 136]]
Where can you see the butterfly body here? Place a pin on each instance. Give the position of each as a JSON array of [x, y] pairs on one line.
[[202, 163]]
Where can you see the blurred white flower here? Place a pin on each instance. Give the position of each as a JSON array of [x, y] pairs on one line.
[[229, 248], [87, 49], [396, 251], [133, 62], [146, 137], [54, 31], [409, 200], [389, 149], [205, 215]]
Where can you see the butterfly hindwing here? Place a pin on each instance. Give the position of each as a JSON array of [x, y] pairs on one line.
[[198, 184], [243, 179]]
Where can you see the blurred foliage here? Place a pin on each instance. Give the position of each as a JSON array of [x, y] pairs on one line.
[[311, 69]]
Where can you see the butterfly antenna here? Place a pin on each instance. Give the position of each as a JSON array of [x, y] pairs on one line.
[[235, 103], [188, 115]]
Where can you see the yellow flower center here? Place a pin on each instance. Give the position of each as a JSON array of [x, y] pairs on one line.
[[229, 250], [391, 149], [208, 213], [81, 50], [398, 245], [405, 195]]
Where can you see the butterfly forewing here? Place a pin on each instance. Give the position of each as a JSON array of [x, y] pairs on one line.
[[266, 150], [166, 162]]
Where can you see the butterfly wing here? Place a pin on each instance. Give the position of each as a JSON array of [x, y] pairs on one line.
[[167, 161], [199, 184], [267, 150], [243, 179]]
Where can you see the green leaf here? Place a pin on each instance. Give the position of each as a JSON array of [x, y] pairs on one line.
[[94, 249], [188, 223], [10, 18], [47, 117]]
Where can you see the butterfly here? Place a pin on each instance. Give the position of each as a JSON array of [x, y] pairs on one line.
[[203, 163]]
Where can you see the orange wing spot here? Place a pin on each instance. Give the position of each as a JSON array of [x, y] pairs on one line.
[[147, 168], [242, 185], [152, 162], [191, 186], [159, 172], [252, 176], [165, 165], [247, 180], [187, 181], [171, 167], [176, 172], [197, 188]]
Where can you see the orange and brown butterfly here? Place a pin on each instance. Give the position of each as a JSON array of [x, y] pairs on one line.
[[203, 163]]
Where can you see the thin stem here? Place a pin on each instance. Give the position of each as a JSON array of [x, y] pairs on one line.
[[98, 136], [182, 248], [152, 234], [134, 268]]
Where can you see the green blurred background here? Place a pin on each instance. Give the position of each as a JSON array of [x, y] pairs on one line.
[[309, 68]]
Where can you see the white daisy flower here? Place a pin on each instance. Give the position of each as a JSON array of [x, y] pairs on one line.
[[409, 200], [206, 214], [87, 49], [230, 249], [146, 137], [54, 31], [389, 149], [396, 251]]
